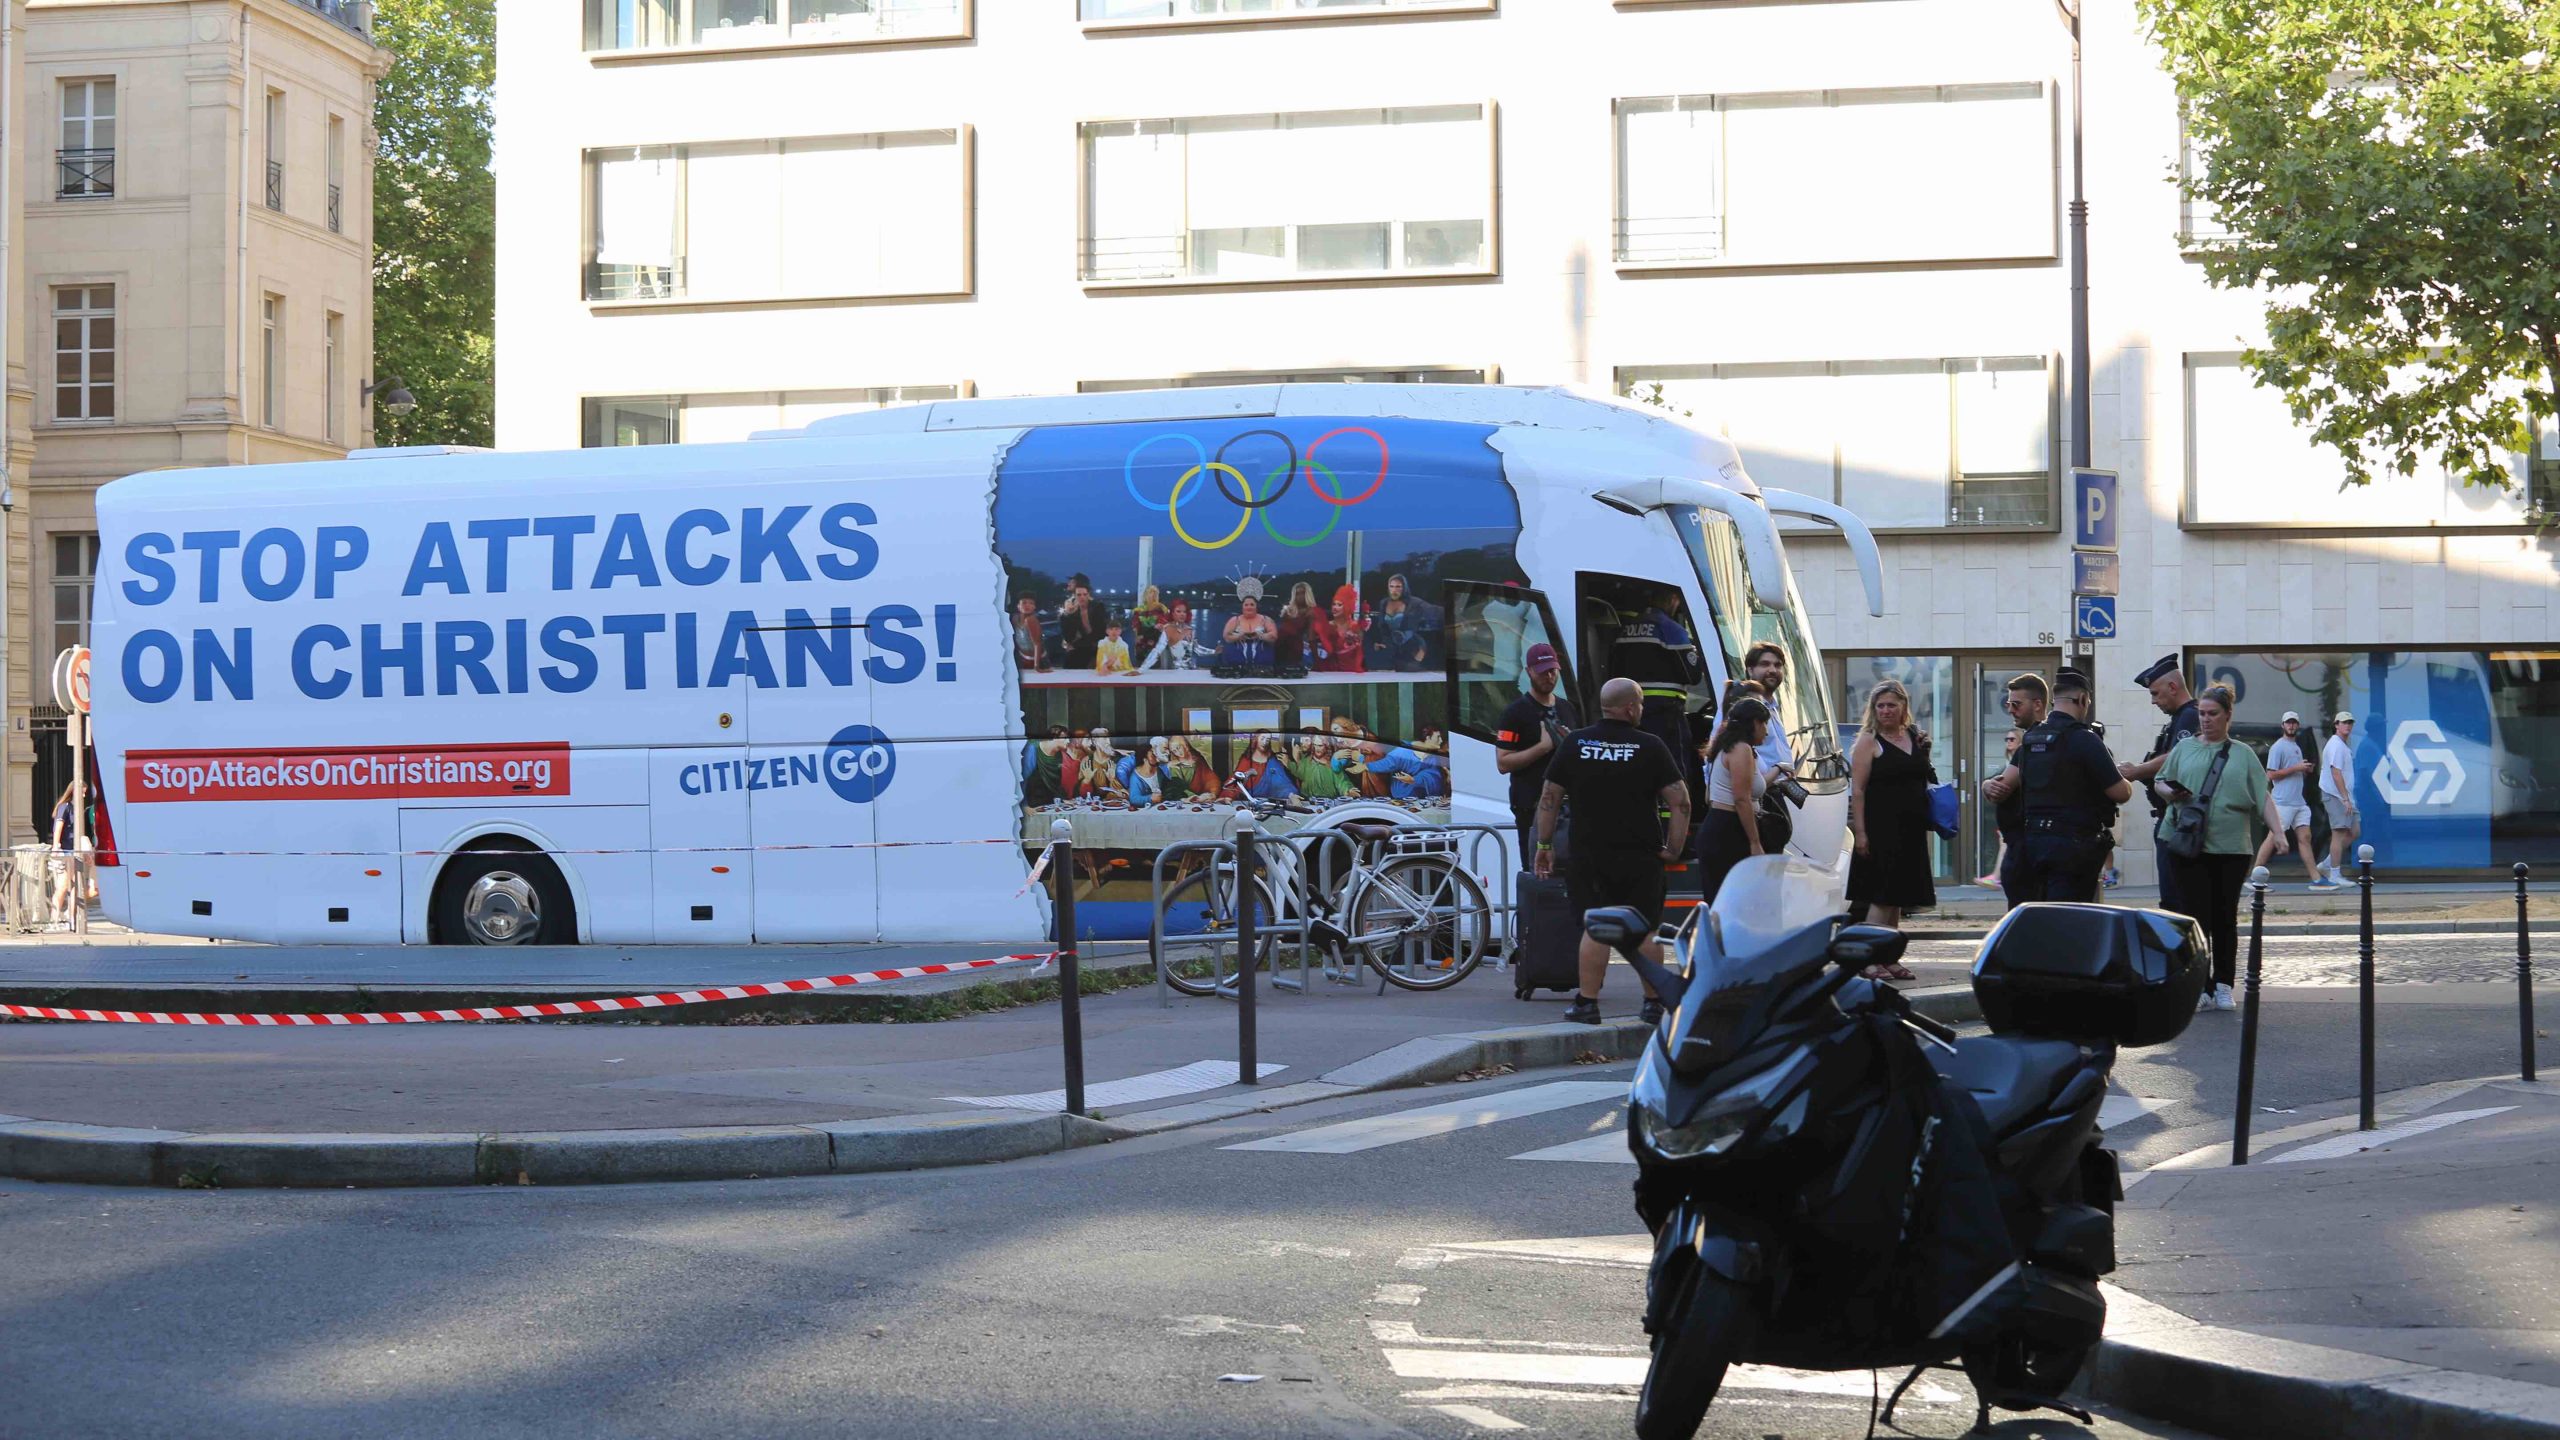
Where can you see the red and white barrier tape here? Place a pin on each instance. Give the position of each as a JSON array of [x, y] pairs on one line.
[[545, 1011]]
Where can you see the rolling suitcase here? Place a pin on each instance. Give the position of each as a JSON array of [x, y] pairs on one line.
[[1548, 956]]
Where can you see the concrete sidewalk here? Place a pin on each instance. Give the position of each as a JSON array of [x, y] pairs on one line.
[[2405, 1290], [1965, 912]]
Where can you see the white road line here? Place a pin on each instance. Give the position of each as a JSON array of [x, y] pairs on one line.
[[2119, 1109], [1188, 1079], [2345, 1145], [1624, 1251], [1479, 1417], [1608, 1149], [1368, 1134], [1622, 1370]]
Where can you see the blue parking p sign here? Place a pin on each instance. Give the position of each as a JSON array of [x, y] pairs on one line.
[[2093, 509], [2093, 617]]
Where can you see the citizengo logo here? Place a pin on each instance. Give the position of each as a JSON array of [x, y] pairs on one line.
[[440, 772], [2411, 774], [857, 764]]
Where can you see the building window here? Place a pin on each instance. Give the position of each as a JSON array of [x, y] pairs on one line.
[[2199, 222], [85, 166], [337, 161], [1958, 443], [1836, 177], [2250, 463], [1174, 12], [333, 338], [275, 149], [271, 364], [1428, 376], [1317, 195], [75, 578], [716, 24], [843, 215], [84, 352], [710, 418]]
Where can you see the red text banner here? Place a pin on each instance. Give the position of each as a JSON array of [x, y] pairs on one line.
[[417, 772]]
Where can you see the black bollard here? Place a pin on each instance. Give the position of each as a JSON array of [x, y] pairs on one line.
[[1248, 866], [2249, 1019], [2524, 970], [1062, 910], [2364, 989]]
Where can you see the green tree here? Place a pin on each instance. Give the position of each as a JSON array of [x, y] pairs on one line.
[[2385, 170], [435, 208]]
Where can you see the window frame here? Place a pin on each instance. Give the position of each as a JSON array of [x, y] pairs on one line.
[[88, 121], [2192, 360], [1490, 269], [334, 171], [1487, 374], [1626, 377], [1453, 594], [279, 122], [1377, 10], [333, 372], [86, 316], [964, 142], [82, 585], [271, 366], [784, 43], [681, 400], [2047, 91]]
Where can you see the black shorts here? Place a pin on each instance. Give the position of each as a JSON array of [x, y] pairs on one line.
[[1617, 877]]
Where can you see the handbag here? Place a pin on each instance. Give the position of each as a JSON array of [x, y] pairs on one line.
[[1776, 821], [2186, 820]]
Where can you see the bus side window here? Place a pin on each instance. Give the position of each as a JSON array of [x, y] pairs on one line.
[[1491, 628]]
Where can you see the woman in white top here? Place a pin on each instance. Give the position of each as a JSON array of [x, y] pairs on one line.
[[1731, 831]]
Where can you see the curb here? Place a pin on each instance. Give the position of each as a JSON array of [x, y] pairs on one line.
[[2232, 1382], [108, 1155]]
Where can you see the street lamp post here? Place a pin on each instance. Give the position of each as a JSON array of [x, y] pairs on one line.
[[395, 394], [2079, 217]]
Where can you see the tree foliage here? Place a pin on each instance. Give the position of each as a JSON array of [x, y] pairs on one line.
[[435, 208], [2388, 172]]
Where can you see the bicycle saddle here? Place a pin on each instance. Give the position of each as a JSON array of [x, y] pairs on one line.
[[1368, 832]]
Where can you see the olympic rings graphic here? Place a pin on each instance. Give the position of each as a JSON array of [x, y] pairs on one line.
[[1276, 483], [1243, 518], [1288, 472]]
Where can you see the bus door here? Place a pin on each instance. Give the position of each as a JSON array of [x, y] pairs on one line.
[[816, 766], [702, 862], [1491, 628]]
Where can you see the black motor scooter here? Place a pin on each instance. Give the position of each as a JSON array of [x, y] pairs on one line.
[[1835, 1182]]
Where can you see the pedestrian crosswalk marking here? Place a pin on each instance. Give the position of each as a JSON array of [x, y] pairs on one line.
[[1628, 1251], [1352, 1136], [2345, 1145], [1608, 1149], [2120, 1109], [1626, 1371], [1188, 1079]]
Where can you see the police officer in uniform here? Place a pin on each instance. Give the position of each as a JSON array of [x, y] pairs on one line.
[[2168, 686], [1659, 654], [2071, 789]]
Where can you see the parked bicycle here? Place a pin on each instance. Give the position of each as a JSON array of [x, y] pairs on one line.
[[1389, 897]]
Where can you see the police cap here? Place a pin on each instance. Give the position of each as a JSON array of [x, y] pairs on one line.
[[2165, 665]]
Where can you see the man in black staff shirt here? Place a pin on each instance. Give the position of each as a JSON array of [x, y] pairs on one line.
[[1525, 739], [1618, 779], [2071, 790], [2168, 686]]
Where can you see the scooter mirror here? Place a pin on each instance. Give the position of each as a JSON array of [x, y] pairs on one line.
[[1620, 927], [1865, 945]]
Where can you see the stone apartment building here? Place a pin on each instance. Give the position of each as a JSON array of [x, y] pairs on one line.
[[188, 191]]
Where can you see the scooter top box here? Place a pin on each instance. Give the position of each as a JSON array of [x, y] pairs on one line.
[[2092, 972]]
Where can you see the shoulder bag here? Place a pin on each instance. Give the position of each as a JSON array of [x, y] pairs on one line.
[[2186, 820]]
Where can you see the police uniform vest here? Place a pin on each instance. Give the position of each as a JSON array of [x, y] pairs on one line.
[[2059, 796], [1651, 651]]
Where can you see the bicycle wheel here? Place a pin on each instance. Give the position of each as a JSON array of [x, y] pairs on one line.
[[1200, 915], [1421, 922]]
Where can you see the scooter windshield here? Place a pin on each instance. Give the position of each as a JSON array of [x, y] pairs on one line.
[[1770, 924]]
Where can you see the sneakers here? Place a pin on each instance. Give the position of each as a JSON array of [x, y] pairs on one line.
[[1583, 1011], [2216, 997], [2324, 883], [1651, 1014]]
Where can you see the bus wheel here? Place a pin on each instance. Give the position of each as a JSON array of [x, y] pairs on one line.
[[503, 897]]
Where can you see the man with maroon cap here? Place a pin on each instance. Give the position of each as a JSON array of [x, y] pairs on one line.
[[1526, 737]]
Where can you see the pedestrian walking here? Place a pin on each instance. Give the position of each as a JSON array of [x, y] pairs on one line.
[[1526, 736], [2210, 786], [2067, 788], [1889, 780], [2168, 686], [2338, 792], [62, 865], [1730, 833], [2286, 768], [1618, 779]]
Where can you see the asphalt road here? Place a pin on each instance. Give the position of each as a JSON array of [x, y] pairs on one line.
[[1104, 1292]]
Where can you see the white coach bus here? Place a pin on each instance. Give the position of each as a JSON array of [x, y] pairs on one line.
[[834, 684]]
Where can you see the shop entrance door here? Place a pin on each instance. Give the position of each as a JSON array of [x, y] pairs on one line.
[[1959, 700]]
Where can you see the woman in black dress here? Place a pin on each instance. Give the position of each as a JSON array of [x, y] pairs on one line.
[[1889, 779]]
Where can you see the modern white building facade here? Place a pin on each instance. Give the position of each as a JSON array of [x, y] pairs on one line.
[[1835, 228]]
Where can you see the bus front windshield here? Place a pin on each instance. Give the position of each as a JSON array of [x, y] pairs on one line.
[[1743, 620]]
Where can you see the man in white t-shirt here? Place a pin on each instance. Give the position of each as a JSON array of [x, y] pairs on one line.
[[2286, 767], [2338, 790]]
